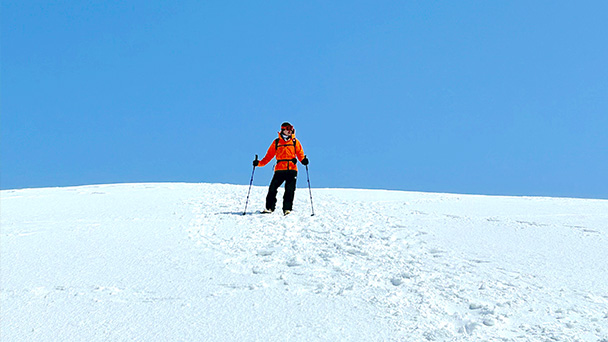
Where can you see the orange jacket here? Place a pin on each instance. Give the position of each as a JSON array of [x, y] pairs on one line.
[[285, 153]]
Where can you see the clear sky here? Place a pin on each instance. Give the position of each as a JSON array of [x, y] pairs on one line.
[[484, 97]]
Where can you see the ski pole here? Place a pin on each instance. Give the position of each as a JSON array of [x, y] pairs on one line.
[[250, 183], [310, 191]]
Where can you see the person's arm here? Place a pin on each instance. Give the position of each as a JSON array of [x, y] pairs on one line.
[[272, 151], [299, 151]]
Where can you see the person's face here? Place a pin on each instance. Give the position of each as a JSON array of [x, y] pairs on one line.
[[287, 130]]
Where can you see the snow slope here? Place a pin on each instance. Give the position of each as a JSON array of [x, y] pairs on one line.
[[178, 262]]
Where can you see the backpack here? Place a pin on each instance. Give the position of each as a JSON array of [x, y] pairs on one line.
[[276, 143], [276, 147]]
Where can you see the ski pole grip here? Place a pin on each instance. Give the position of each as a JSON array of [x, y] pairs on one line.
[[256, 157]]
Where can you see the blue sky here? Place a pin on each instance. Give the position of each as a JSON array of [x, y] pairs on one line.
[[481, 97]]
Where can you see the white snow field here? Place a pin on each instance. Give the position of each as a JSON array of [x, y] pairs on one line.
[[179, 262]]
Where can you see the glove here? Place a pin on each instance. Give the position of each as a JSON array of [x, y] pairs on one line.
[[305, 161], [256, 162]]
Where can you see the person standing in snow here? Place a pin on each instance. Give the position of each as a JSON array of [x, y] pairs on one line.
[[287, 150]]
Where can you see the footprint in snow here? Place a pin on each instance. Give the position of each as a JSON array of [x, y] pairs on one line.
[[396, 281], [399, 279], [265, 252], [295, 261]]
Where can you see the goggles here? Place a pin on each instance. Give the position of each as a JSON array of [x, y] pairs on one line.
[[287, 128]]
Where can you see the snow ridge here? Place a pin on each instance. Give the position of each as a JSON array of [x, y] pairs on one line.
[[181, 262]]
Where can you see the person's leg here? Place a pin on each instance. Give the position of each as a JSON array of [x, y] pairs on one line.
[[271, 198], [291, 178]]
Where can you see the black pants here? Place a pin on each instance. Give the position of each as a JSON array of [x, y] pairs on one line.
[[289, 177]]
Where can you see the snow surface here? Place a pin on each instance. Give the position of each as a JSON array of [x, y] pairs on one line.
[[179, 262]]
